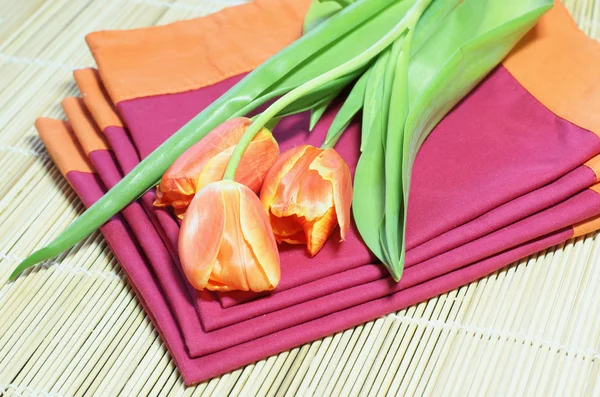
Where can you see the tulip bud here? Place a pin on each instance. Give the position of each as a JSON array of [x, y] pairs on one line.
[[226, 242], [307, 192], [205, 162]]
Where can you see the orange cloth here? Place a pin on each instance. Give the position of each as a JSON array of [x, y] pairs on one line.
[[62, 145], [96, 99], [590, 225], [184, 55], [85, 128], [558, 64]]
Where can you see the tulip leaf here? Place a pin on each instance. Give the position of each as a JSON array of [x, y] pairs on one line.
[[343, 36], [371, 99], [319, 109], [318, 12], [374, 98], [272, 123], [370, 177], [468, 45], [314, 100], [351, 106], [396, 116], [368, 203]]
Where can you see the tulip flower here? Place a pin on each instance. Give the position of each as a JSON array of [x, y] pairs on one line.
[[226, 242], [307, 193], [205, 162]]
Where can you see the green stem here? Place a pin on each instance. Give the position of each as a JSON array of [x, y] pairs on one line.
[[348, 67], [343, 3]]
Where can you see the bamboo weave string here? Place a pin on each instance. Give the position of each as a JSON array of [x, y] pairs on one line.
[[75, 327]]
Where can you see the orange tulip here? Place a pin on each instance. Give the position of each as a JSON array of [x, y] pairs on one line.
[[307, 192], [226, 242], [205, 162]]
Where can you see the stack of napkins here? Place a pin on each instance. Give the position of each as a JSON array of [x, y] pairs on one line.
[[512, 170]]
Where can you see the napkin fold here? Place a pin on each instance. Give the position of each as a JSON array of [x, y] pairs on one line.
[[70, 158], [516, 180], [213, 318], [575, 209]]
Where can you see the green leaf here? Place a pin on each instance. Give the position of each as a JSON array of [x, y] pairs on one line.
[[318, 96], [321, 10], [272, 123], [369, 193], [374, 98], [352, 43], [319, 109], [352, 105], [469, 52], [318, 12], [369, 180], [392, 233], [472, 40], [370, 177]]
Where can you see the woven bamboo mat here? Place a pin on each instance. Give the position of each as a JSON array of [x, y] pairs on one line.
[[75, 328]]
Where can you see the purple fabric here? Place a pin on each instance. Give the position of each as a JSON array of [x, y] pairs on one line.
[[220, 338], [158, 257], [240, 325], [226, 326], [499, 145], [195, 370], [506, 214], [213, 317]]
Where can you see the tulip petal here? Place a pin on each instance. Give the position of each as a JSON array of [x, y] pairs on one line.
[[318, 231], [174, 189], [285, 226], [206, 162], [179, 212], [193, 160], [297, 238], [282, 166], [257, 232], [242, 265], [303, 192], [201, 234], [214, 169], [257, 160], [234, 257], [311, 197], [332, 167]]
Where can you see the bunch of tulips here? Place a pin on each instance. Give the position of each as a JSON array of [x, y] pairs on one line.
[[405, 64], [228, 235]]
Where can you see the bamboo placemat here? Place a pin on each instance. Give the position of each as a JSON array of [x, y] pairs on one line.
[[75, 328]]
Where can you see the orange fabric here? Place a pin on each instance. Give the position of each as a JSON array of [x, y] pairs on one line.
[[96, 98], [555, 61], [62, 146], [558, 64], [195, 53], [84, 126], [594, 165], [589, 225], [586, 227]]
